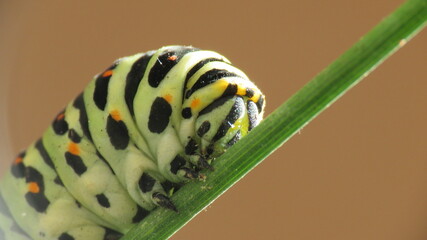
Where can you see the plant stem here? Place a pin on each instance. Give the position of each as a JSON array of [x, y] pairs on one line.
[[355, 64]]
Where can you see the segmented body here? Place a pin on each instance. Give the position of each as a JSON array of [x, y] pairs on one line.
[[139, 130]]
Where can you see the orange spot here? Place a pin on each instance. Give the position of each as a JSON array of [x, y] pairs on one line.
[[73, 148], [195, 103], [60, 117], [107, 73], [116, 115], [172, 58], [241, 91], [33, 187], [168, 98], [18, 160]]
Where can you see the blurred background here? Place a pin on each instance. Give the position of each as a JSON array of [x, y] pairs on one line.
[[358, 171]]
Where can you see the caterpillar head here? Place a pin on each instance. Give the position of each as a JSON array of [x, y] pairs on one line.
[[222, 123], [220, 106]]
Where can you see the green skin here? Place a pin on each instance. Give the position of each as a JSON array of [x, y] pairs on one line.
[[75, 209]]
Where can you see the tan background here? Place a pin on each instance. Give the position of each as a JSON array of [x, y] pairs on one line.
[[358, 171]]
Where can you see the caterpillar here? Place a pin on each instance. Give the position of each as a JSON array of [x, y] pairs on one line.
[[141, 129]]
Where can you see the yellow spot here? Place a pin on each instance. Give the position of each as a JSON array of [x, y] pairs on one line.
[[18, 160], [107, 73], [195, 103], [402, 42], [168, 98], [241, 91], [222, 84], [33, 187], [255, 98], [73, 148], [115, 115]]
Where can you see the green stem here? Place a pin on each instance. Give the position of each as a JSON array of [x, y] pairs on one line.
[[392, 33]]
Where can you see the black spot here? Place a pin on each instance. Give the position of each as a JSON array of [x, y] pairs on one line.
[[177, 163], [80, 105], [260, 103], [146, 183], [33, 175], [204, 128], [79, 205], [252, 115], [59, 125], [196, 68], [103, 200], [73, 136], [249, 92], [18, 170], [214, 105], [165, 62], [37, 200], [235, 138], [18, 167], [207, 78], [110, 234], [76, 163], [234, 114], [58, 181], [43, 153], [100, 93], [191, 147], [186, 113], [231, 90], [160, 113], [118, 133], [134, 77], [66, 236], [141, 213]]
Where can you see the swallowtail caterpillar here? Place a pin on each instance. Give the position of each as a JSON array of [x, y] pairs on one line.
[[141, 128]]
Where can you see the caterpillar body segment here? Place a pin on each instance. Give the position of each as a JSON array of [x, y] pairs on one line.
[[141, 128]]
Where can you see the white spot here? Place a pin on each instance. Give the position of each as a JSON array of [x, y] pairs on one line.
[[402, 42], [158, 60]]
